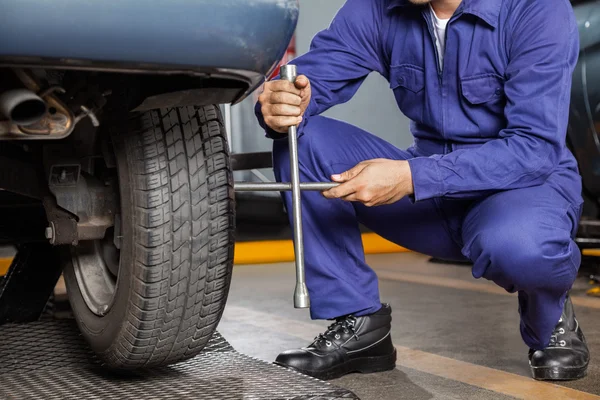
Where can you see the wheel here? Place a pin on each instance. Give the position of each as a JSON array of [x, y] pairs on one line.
[[152, 292]]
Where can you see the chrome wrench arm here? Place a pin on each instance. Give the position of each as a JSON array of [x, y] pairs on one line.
[[301, 298]]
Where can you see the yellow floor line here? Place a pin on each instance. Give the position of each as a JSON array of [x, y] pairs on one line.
[[498, 381], [475, 286], [4, 265], [274, 251], [591, 252], [491, 379]]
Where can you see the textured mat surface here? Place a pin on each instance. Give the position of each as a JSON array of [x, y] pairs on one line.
[[50, 360]]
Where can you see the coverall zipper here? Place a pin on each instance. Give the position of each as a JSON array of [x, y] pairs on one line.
[[428, 16]]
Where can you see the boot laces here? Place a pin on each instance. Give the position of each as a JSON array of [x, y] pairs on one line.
[[556, 338], [343, 324]]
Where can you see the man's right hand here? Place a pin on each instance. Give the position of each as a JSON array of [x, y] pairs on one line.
[[283, 103]]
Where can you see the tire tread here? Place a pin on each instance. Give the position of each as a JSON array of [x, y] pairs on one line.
[[183, 237]]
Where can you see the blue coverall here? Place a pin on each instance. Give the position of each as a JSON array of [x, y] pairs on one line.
[[493, 179]]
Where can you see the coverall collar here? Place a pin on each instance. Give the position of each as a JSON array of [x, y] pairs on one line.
[[487, 10]]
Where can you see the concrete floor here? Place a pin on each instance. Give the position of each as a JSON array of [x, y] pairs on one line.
[[457, 338]]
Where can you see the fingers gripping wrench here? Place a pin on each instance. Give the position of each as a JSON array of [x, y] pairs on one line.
[[301, 299]]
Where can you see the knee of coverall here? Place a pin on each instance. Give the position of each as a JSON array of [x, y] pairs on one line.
[[522, 259], [314, 130]]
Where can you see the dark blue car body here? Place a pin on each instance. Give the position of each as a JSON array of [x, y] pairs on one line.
[[232, 39]]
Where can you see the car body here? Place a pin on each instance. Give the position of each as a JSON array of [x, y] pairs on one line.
[[238, 41]]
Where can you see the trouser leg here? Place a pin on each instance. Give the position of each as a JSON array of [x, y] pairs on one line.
[[339, 280], [523, 241]]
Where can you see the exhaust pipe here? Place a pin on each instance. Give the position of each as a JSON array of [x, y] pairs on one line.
[[22, 106]]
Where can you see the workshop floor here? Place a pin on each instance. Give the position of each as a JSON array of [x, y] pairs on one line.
[[457, 338]]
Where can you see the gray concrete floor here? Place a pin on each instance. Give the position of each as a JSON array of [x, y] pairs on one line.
[[457, 337]]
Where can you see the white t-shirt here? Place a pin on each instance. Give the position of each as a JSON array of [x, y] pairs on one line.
[[439, 29]]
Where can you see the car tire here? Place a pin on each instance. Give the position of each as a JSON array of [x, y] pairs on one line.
[[176, 241]]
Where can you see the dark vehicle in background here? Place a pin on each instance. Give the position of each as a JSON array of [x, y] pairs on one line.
[[584, 125], [114, 163]]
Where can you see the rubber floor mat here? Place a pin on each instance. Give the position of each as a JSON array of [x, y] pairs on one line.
[[50, 360]]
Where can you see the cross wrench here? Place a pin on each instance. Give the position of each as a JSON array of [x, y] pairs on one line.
[[301, 299]]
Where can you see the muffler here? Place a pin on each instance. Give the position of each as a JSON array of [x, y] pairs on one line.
[[31, 116], [22, 107]]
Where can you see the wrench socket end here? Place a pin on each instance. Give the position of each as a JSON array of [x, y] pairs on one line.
[[301, 298]]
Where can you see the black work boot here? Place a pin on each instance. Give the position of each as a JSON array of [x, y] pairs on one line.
[[350, 344], [567, 356]]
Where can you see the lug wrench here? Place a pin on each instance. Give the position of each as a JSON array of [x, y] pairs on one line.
[[301, 298]]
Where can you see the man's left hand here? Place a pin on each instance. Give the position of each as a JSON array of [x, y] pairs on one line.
[[374, 183]]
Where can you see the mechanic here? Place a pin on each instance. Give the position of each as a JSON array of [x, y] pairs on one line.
[[489, 177]]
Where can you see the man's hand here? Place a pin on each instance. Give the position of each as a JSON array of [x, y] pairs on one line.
[[374, 183], [283, 103]]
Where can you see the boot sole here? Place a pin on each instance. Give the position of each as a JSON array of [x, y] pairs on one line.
[[363, 365], [558, 373]]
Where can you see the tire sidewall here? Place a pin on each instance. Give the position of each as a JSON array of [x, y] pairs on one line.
[[101, 332]]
